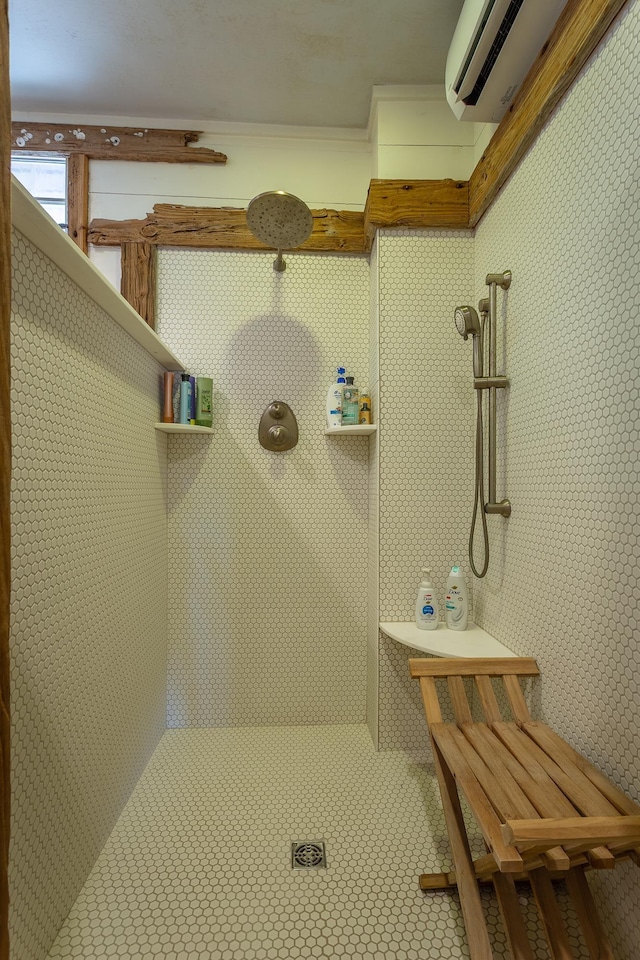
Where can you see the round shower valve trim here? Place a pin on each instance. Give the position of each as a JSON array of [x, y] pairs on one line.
[[278, 429]]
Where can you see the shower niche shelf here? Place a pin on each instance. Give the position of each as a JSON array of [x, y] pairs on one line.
[[358, 430], [182, 428], [472, 642]]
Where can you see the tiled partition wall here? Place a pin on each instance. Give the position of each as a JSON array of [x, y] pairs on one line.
[[426, 444], [268, 551], [89, 603], [563, 581], [373, 578]]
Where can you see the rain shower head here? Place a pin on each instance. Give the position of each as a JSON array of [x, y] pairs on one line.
[[280, 220], [467, 322]]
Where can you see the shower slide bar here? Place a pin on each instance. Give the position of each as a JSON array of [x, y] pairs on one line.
[[493, 383], [469, 324]]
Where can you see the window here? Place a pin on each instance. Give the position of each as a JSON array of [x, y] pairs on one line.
[[46, 180]]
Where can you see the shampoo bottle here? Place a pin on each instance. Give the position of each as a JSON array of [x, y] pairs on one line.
[[192, 400], [185, 398], [334, 400], [426, 604], [167, 409], [350, 404], [204, 401], [365, 415], [456, 600]]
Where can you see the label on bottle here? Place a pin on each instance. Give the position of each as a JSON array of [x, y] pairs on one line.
[[350, 405], [427, 610]]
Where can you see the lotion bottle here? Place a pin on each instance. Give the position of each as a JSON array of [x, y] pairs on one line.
[[426, 603], [456, 600]]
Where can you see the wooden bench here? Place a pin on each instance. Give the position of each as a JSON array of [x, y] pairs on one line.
[[544, 811]]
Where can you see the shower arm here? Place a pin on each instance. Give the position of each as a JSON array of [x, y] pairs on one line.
[[493, 281]]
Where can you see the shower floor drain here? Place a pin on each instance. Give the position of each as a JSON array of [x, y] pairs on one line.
[[308, 855]]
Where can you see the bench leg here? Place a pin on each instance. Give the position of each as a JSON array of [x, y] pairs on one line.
[[549, 912], [473, 915], [438, 881], [594, 935], [514, 925]]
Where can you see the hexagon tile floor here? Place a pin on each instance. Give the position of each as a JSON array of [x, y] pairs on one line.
[[198, 866]]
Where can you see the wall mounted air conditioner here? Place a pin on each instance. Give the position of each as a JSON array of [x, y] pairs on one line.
[[493, 47]]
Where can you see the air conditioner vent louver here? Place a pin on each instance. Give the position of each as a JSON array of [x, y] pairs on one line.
[[497, 45], [493, 47]]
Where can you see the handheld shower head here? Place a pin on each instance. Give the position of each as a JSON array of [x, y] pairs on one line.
[[467, 322]]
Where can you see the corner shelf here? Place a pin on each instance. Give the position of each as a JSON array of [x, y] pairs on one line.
[[358, 430], [472, 642], [182, 428]]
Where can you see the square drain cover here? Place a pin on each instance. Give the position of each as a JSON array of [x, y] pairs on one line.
[[308, 855]]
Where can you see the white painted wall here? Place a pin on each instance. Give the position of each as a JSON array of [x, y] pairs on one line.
[[415, 135]]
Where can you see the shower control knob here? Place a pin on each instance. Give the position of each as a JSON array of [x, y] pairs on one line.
[[278, 436], [277, 411]]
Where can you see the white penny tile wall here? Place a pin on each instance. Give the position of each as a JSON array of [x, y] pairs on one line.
[[425, 445], [268, 551], [88, 616], [563, 580]]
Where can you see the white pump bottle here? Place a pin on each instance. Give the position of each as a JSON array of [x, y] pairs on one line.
[[426, 603]]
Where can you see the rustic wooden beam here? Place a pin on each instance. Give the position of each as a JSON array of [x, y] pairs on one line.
[[5, 473], [580, 28], [138, 280], [78, 199], [225, 228], [415, 204], [112, 143]]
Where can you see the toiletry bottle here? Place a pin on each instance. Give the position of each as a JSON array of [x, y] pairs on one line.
[[334, 399], [185, 397], [167, 409], [192, 400], [204, 401], [350, 404], [426, 603], [456, 600], [177, 386], [365, 415]]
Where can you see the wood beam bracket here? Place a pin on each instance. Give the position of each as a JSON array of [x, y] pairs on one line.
[[138, 279], [225, 228], [112, 143], [416, 204]]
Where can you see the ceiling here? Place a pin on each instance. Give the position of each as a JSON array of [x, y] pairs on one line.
[[295, 62]]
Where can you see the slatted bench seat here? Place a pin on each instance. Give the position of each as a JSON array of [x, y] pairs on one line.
[[544, 811]]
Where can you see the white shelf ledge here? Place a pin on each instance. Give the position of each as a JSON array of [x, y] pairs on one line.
[[358, 430], [30, 219], [472, 642], [182, 428]]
